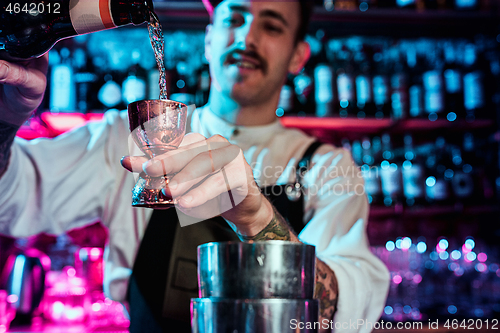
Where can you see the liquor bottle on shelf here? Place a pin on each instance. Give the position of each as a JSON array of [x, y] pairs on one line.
[[415, 91], [285, 103], [440, 173], [152, 85], [453, 84], [305, 93], [323, 79], [363, 84], [345, 83], [323, 90], [109, 95], [183, 86], [380, 84], [134, 85], [475, 163], [462, 182], [346, 5], [204, 89], [390, 173], [474, 99], [54, 59], [433, 86], [30, 33], [62, 84], [85, 77], [410, 4], [357, 152], [466, 4], [328, 4], [364, 5], [399, 86], [370, 174], [413, 174]]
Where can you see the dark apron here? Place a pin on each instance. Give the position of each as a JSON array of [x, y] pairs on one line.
[[164, 277]]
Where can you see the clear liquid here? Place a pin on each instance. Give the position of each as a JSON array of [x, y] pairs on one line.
[[158, 44]]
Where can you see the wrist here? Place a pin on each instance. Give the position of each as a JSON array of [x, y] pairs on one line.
[[261, 219], [276, 229]]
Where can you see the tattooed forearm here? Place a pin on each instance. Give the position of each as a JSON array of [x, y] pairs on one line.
[[326, 288], [277, 229], [7, 134], [326, 291]]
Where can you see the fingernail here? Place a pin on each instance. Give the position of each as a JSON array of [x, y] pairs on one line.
[[125, 162]]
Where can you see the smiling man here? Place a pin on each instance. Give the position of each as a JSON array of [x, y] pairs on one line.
[[251, 47], [56, 185]]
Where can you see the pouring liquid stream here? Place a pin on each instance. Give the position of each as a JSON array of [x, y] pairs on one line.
[[158, 44]]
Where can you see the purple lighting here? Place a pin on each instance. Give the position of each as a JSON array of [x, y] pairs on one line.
[[397, 279], [482, 257]]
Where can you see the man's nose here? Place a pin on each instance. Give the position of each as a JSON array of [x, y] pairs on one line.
[[247, 35]]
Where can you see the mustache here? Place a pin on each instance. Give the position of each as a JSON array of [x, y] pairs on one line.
[[250, 54]]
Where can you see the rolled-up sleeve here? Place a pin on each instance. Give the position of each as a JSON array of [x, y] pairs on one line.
[[337, 207], [54, 185]]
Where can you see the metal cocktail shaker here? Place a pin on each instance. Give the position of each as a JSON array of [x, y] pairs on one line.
[[254, 287]]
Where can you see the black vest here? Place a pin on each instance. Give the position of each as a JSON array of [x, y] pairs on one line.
[[164, 277]]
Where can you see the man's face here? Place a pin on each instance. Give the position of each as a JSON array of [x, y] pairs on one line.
[[251, 48]]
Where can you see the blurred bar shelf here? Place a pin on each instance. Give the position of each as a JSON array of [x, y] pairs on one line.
[[380, 125], [53, 124], [381, 213], [374, 21]]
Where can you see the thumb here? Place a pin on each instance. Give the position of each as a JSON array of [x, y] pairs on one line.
[[28, 77]]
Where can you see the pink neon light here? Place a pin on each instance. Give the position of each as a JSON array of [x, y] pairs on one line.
[[12, 298], [71, 271], [95, 253]]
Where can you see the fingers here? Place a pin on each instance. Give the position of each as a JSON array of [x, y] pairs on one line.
[[28, 77], [133, 163], [201, 166], [175, 160], [191, 138], [228, 184]]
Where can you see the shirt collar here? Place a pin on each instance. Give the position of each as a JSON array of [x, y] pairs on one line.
[[208, 123]]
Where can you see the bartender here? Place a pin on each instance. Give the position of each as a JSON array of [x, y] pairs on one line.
[[55, 185]]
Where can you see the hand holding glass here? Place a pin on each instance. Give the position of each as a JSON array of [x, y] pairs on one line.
[[157, 126]]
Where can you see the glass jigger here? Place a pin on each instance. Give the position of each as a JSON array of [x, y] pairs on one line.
[[157, 126]]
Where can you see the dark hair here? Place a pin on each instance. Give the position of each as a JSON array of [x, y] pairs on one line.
[[306, 7]]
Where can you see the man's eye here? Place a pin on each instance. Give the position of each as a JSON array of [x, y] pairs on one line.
[[273, 28], [233, 21]]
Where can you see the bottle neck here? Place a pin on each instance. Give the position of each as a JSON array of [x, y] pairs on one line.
[[135, 11]]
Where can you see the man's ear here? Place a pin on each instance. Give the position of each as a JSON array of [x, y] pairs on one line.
[[300, 57], [208, 41]]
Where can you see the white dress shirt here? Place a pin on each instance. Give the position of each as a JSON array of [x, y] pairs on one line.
[[54, 185]]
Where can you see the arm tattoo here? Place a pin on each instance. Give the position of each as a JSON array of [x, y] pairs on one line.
[[7, 134], [277, 229], [326, 290]]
